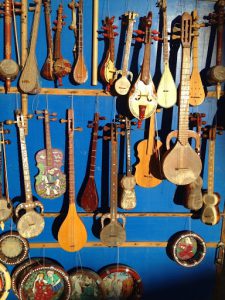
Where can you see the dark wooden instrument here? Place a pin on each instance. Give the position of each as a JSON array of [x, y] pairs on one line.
[[122, 85], [29, 79], [181, 164], [108, 69], [31, 223], [6, 282], [50, 182], [61, 66], [167, 90], [47, 68], [142, 96], [148, 170], [210, 214], [113, 234], [89, 197], [80, 72], [8, 68], [72, 235]]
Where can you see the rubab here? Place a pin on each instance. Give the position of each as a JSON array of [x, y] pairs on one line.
[[29, 79], [72, 235], [113, 234], [167, 91], [122, 85], [181, 164]]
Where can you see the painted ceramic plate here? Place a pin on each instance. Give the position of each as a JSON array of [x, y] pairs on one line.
[[121, 282], [5, 282], [86, 284]]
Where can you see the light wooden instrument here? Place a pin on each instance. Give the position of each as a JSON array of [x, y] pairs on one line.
[[61, 66], [113, 234], [50, 182], [8, 67], [148, 169], [47, 68], [142, 97], [167, 91], [89, 197], [72, 235], [6, 282], [80, 72], [122, 85], [29, 79], [181, 164], [31, 223], [128, 181], [210, 214], [95, 43]]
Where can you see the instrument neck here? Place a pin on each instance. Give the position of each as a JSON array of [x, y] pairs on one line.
[[35, 27], [71, 171], [57, 50], [48, 29], [23, 32], [129, 168], [151, 136], [195, 53], [93, 151], [80, 29], [127, 48], [211, 164], [48, 142], [146, 63], [114, 181], [8, 25], [165, 39], [111, 49]]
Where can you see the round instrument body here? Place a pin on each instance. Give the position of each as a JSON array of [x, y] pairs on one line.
[[187, 248], [30, 224], [86, 283], [121, 282], [122, 86], [62, 67], [9, 69], [5, 280], [128, 182], [113, 234], [6, 209], [13, 248], [216, 74]]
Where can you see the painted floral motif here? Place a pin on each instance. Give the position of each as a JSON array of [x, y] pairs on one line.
[[186, 248]]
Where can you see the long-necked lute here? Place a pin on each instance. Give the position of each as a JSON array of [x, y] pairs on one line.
[[72, 235], [181, 164]]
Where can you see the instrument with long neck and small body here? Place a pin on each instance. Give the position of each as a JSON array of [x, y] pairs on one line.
[[47, 68], [72, 235], [142, 97], [50, 182], [61, 66], [122, 85], [167, 91], [210, 214], [181, 164], [29, 79], [8, 67], [89, 197], [80, 72], [113, 234], [31, 223], [148, 169]]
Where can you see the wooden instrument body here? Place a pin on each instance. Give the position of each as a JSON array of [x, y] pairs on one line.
[[61, 67], [47, 69], [128, 197], [89, 198], [122, 85], [113, 234], [108, 69], [6, 209], [210, 214], [80, 72], [50, 183], [193, 194], [197, 93]]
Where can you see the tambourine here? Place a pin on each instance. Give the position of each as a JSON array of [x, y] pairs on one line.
[[121, 282], [5, 282], [187, 248], [86, 283], [13, 248]]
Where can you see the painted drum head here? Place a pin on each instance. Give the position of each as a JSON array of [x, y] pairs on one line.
[[187, 248], [86, 284], [51, 282], [121, 282], [5, 282], [13, 248]]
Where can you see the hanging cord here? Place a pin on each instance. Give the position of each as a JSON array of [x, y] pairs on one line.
[[35, 106], [5, 171], [46, 100]]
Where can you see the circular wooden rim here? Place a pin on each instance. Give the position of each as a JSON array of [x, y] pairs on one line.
[[6, 281], [138, 287], [198, 256], [19, 258], [56, 269]]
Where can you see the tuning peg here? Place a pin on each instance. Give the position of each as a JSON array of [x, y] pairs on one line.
[[139, 40], [63, 121], [105, 34], [38, 112], [55, 22], [114, 27], [175, 37], [176, 29], [64, 17], [78, 129], [155, 31], [29, 116], [115, 33], [53, 119], [157, 38], [90, 125], [106, 128], [105, 28], [138, 31], [120, 125], [31, 8], [121, 133], [105, 138], [53, 114], [10, 122], [40, 117]]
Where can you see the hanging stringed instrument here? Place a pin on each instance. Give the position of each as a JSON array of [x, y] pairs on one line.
[[80, 72], [47, 68], [148, 169], [29, 79], [210, 214], [128, 181], [113, 234], [142, 97], [61, 66], [8, 67], [89, 197], [108, 69], [72, 235], [31, 223], [122, 85], [167, 91], [6, 207], [181, 164], [50, 182]]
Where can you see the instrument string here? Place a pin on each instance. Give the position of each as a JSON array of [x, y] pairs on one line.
[[17, 102], [46, 99], [5, 170], [35, 103]]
